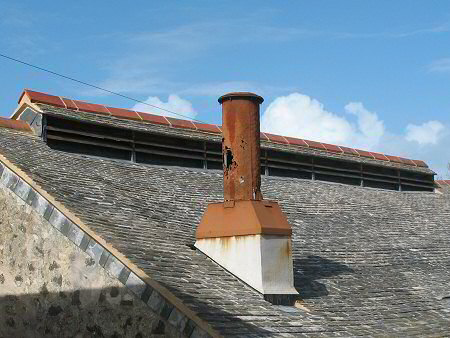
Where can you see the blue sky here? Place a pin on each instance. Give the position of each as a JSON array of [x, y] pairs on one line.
[[373, 75]]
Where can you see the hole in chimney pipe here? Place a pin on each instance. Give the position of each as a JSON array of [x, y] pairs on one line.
[[228, 158]]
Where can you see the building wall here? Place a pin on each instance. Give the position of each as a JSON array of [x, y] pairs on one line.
[[50, 287]]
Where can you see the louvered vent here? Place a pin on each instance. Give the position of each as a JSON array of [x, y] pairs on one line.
[[149, 148]]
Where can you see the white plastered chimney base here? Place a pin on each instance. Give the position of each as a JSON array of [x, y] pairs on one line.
[[264, 262]]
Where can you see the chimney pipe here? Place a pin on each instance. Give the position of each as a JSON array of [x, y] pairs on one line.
[[241, 146], [248, 236]]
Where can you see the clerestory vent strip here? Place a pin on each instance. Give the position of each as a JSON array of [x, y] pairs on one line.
[[151, 148]]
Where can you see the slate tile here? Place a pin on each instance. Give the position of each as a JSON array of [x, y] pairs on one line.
[[75, 234], [124, 274], [48, 210], [22, 189], [114, 266], [156, 301], [40, 206], [85, 242], [104, 257], [97, 252], [198, 333], [135, 284], [9, 179], [166, 309], [177, 319], [189, 328], [147, 293], [59, 221], [31, 198]]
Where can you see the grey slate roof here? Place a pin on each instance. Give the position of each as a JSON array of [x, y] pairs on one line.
[[366, 261]]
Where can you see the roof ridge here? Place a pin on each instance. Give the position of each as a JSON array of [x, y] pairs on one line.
[[129, 114], [15, 124]]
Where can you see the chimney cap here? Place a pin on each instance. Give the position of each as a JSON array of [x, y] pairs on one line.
[[241, 96]]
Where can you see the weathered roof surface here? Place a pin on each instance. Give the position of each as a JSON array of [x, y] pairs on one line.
[[142, 121], [366, 261]]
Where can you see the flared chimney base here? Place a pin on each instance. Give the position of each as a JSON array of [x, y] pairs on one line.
[[238, 218], [252, 240]]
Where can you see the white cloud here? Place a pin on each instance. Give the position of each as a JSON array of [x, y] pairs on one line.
[[428, 133], [174, 104], [370, 128], [299, 115], [440, 66]]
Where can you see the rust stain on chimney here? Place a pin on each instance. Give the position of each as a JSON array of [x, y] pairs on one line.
[[243, 212], [241, 146]]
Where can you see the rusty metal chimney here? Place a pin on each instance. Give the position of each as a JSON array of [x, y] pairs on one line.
[[248, 236], [241, 146]]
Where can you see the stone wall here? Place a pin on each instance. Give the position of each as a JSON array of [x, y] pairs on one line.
[[50, 287]]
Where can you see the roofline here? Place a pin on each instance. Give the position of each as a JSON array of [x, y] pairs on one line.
[[15, 125], [178, 303], [32, 97]]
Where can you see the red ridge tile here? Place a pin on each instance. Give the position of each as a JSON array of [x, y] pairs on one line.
[[276, 138], [420, 163], [379, 156], [69, 103], [14, 124], [155, 119], [177, 123], [407, 161], [124, 113], [263, 136], [314, 144], [44, 98], [91, 107], [364, 153], [296, 141], [395, 159], [348, 150], [210, 128], [333, 148]]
